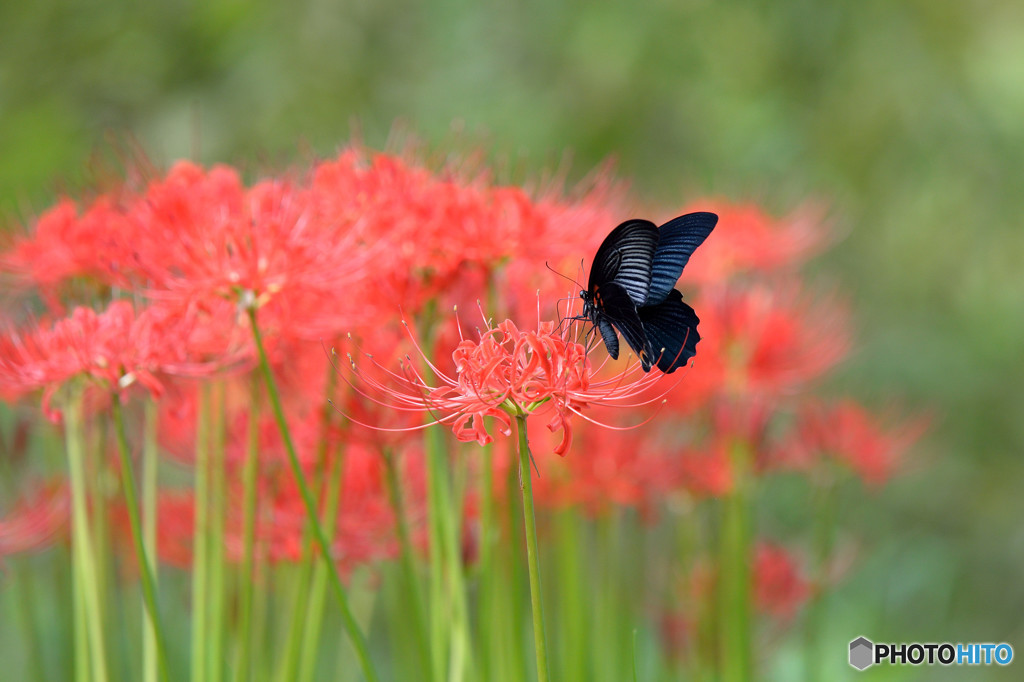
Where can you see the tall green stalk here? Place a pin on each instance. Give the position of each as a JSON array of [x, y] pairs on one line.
[[250, 477], [150, 479], [201, 537], [486, 633], [734, 599], [539, 639], [318, 589], [134, 520], [301, 600], [218, 514], [573, 581], [83, 558], [414, 593], [440, 618], [514, 621], [351, 626]]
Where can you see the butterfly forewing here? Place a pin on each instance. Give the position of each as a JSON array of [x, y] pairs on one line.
[[671, 329], [626, 257], [677, 240], [632, 289]]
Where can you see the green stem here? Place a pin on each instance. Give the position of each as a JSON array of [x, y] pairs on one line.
[[734, 574], [301, 604], [315, 608], [513, 655], [299, 600], [607, 617], [461, 651], [218, 513], [351, 626], [86, 577], [81, 623], [150, 469], [414, 593], [575, 614], [440, 618], [487, 583], [526, 474], [201, 537], [145, 568], [250, 476]]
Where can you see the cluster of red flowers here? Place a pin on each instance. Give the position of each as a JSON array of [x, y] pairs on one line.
[[150, 286]]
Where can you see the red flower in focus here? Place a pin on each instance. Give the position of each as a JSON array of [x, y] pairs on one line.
[[36, 521], [779, 588], [507, 371]]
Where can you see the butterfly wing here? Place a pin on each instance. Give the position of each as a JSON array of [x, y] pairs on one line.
[[677, 240], [615, 307], [671, 331], [626, 257]]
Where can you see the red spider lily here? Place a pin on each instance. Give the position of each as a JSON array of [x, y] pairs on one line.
[[115, 349], [506, 372], [64, 246], [850, 434], [207, 235], [779, 587], [37, 521], [447, 236], [764, 341], [749, 240]]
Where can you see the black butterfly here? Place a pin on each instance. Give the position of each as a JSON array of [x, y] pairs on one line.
[[632, 289]]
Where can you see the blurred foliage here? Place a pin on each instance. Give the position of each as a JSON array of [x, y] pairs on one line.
[[904, 119]]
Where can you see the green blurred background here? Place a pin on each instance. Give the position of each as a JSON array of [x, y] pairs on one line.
[[906, 119]]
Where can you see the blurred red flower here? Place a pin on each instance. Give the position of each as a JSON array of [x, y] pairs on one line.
[[114, 349], [779, 587], [36, 521], [848, 433]]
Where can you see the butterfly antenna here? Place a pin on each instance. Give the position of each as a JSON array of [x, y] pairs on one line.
[[567, 277]]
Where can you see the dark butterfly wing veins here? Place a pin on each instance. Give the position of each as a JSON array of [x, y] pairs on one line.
[[671, 331], [677, 240], [616, 308], [632, 289], [626, 257]]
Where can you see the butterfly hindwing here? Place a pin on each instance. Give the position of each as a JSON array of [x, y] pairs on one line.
[[677, 240], [626, 257], [616, 307], [671, 331]]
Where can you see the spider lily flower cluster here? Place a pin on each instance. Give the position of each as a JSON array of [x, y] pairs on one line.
[[503, 373], [200, 306]]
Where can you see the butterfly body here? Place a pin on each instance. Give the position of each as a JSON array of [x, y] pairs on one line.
[[631, 290]]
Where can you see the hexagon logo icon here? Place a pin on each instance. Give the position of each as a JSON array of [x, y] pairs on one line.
[[861, 653]]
